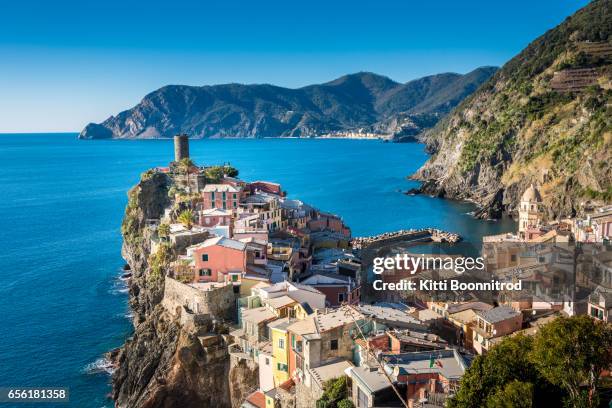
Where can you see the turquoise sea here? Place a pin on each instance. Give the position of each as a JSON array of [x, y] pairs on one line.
[[61, 300]]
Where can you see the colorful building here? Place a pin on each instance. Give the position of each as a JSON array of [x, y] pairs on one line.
[[218, 259], [280, 349], [224, 196]]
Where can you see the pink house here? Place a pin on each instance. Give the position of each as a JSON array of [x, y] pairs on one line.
[[215, 216], [218, 259], [223, 196]]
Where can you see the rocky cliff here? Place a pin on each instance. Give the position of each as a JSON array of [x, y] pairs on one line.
[[362, 103], [165, 363], [543, 118]]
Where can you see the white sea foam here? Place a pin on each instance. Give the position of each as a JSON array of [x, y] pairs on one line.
[[102, 365]]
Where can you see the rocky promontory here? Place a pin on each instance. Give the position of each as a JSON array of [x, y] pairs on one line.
[[167, 362]]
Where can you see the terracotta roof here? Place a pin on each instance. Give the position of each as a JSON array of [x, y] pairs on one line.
[[258, 399]]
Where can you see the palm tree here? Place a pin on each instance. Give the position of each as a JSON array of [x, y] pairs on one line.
[[185, 166], [187, 218]]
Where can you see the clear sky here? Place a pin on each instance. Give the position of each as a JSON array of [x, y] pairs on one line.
[[64, 64]]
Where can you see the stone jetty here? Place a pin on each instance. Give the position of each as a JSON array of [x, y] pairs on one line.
[[417, 235]]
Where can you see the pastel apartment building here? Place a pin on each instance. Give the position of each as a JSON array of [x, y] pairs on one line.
[[492, 325], [600, 305], [218, 259], [267, 208], [322, 339], [224, 196]]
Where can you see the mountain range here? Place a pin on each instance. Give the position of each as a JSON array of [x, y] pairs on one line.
[[362, 104]]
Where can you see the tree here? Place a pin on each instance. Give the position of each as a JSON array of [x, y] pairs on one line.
[[570, 352], [185, 165], [515, 394], [215, 173], [187, 218], [335, 393], [505, 363]]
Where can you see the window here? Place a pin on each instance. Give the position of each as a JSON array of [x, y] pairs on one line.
[[282, 367], [333, 344], [234, 278], [235, 204], [362, 398], [223, 195], [224, 205], [513, 258], [205, 272], [298, 346], [293, 341], [212, 196], [267, 361], [341, 297], [204, 257], [234, 196], [281, 343]]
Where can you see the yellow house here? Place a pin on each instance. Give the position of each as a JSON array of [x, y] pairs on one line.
[[280, 349]]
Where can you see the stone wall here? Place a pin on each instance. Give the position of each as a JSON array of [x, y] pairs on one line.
[[218, 302]]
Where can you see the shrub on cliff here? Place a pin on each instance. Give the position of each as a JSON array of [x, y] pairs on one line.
[[159, 262]]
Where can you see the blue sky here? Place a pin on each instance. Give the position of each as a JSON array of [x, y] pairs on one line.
[[64, 64]]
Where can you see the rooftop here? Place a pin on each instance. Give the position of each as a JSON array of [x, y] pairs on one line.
[[449, 363], [498, 314], [388, 314], [257, 399], [327, 372], [302, 327], [224, 242], [373, 379], [326, 279], [216, 212], [281, 324], [257, 315], [227, 188], [337, 318], [281, 301]]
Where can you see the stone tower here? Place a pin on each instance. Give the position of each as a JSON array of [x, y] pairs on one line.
[[530, 210], [181, 147]]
